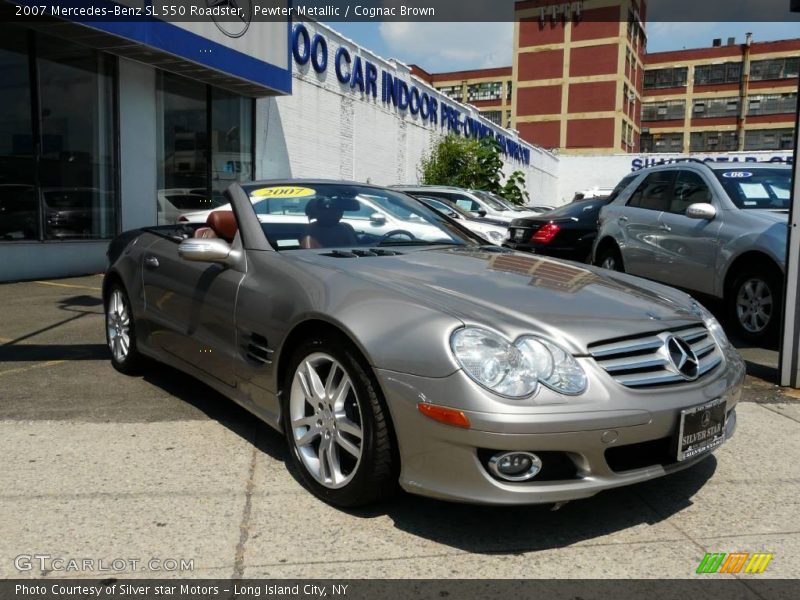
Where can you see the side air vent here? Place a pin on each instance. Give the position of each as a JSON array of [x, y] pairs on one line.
[[257, 350]]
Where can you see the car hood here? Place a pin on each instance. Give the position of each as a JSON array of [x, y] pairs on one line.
[[516, 293], [768, 216]]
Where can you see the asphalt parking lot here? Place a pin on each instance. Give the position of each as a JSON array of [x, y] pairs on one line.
[[97, 465]]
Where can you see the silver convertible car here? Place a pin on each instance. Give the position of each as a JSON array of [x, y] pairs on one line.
[[463, 371]]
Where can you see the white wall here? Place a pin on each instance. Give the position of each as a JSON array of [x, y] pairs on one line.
[[325, 129], [577, 173]]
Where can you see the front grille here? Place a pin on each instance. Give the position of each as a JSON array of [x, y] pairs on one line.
[[644, 361]]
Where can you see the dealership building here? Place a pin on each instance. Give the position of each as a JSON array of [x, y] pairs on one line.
[[113, 125]]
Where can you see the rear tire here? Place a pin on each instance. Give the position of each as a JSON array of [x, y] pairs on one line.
[[337, 424], [755, 302], [611, 259], [121, 332]]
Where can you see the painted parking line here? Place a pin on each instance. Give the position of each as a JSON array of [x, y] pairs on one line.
[[69, 285], [49, 363]]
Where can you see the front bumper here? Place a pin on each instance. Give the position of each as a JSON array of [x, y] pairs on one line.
[[447, 462]]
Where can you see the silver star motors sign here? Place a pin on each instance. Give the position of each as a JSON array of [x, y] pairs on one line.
[[235, 26]]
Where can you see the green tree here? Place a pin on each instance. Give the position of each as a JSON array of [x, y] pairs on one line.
[[474, 164]]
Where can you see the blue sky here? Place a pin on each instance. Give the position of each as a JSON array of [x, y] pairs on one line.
[[454, 46]]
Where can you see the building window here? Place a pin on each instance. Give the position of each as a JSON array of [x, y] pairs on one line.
[[195, 167], [769, 139], [775, 68], [509, 89], [713, 141], [508, 119], [772, 104], [664, 111], [665, 78], [716, 107], [451, 91], [661, 142], [627, 134], [58, 160], [722, 73], [495, 116], [492, 90]]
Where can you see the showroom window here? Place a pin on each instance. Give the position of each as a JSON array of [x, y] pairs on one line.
[[206, 144], [58, 162]]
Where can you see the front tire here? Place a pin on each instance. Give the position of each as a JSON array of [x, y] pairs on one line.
[[120, 332], [755, 302], [337, 425]]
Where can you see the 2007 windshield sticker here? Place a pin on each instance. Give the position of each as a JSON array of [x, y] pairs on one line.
[[283, 191]]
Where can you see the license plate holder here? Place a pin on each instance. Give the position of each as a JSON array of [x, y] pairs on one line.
[[518, 235], [702, 428]]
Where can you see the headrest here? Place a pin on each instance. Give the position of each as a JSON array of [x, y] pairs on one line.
[[224, 223], [315, 205]]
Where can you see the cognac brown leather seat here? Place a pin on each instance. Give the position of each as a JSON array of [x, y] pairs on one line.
[[220, 224]]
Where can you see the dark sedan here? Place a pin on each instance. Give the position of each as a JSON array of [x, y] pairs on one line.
[[566, 232]]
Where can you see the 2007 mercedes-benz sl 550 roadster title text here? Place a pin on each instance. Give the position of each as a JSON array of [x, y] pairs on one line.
[[422, 354]]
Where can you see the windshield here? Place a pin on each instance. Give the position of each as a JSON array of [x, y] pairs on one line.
[[331, 215], [446, 208], [757, 188], [493, 200]]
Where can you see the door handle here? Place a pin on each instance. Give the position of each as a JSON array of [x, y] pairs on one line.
[[622, 219], [151, 262], [665, 227]]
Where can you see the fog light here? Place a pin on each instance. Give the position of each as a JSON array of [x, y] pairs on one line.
[[515, 466]]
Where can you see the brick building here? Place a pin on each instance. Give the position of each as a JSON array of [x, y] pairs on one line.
[[582, 82]]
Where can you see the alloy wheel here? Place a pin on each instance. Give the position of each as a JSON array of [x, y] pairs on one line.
[[610, 263], [754, 305], [118, 325], [326, 420]]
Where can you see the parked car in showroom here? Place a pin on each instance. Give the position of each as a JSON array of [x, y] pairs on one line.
[[496, 234], [482, 204], [567, 232], [461, 370], [716, 229]]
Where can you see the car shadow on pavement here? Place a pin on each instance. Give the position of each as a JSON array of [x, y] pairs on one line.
[[473, 528], [515, 529]]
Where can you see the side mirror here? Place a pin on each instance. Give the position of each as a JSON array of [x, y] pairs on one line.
[[377, 218], [453, 215], [212, 250], [480, 213], [701, 210]]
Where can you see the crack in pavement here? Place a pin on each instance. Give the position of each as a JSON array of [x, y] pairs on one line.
[[244, 524]]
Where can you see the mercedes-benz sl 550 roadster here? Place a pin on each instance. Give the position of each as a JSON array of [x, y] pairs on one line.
[[422, 356]]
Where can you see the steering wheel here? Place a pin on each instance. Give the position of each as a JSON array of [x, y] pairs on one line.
[[396, 232]]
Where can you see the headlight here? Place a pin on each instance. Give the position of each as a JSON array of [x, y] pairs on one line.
[[495, 236], [711, 323], [514, 370]]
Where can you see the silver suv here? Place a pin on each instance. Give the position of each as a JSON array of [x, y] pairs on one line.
[[713, 229]]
